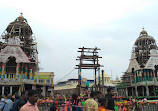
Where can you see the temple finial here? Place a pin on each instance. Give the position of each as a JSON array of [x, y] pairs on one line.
[[21, 14], [143, 32]]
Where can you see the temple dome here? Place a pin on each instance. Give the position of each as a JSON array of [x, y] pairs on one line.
[[142, 46], [144, 37]]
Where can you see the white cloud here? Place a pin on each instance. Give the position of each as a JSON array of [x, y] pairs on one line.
[[73, 14]]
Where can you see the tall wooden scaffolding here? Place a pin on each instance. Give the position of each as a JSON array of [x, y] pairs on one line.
[[89, 59]]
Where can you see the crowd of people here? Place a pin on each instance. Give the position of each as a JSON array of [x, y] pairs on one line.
[[98, 102], [26, 102]]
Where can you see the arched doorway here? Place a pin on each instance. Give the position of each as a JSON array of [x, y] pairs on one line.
[[11, 67]]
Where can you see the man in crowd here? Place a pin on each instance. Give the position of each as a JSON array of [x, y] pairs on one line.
[[103, 104], [2, 103], [24, 96], [31, 104], [9, 103], [91, 104], [110, 93]]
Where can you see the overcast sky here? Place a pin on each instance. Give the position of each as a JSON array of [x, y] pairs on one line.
[[62, 26]]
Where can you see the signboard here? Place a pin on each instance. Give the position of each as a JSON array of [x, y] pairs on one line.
[[42, 76]]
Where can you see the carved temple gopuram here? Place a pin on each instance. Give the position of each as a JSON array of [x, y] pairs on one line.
[[18, 58], [141, 78]]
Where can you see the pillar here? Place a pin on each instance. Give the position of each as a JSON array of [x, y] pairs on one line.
[[11, 90], [154, 76], [132, 91], [147, 91], [52, 92], [154, 87], [79, 81], [130, 79], [143, 90], [95, 72], [103, 81], [126, 92], [19, 92], [3, 90], [43, 91], [136, 91], [99, 76]]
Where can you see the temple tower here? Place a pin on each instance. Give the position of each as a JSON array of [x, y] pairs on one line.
[[141, 80], [18, 57]]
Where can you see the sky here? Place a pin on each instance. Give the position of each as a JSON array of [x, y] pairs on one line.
[[63, 26]]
